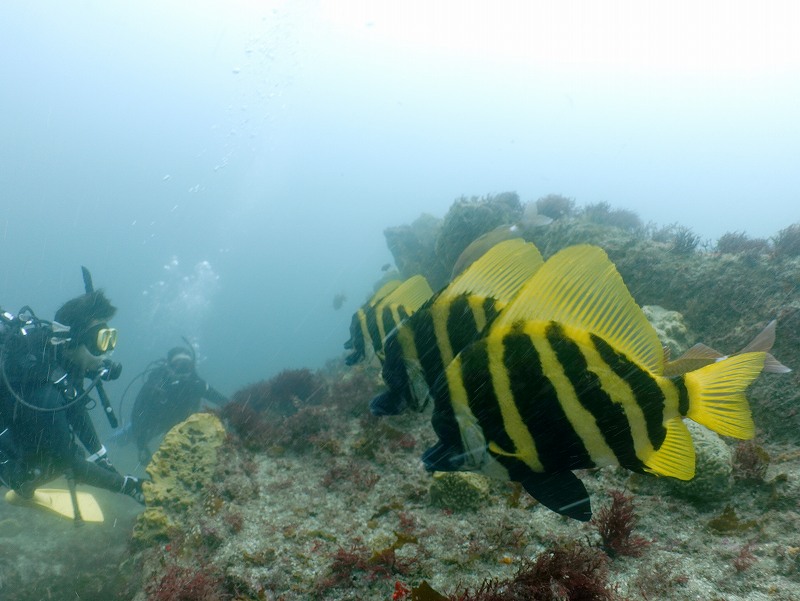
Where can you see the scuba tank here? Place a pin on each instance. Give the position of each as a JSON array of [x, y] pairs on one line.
[[28, 346], [26, 356]]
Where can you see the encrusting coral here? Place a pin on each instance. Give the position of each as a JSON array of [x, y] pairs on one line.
[[180, 471]]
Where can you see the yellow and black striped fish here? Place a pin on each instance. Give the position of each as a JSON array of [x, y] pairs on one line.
[[392, 303], [570, 376], [419, 349]]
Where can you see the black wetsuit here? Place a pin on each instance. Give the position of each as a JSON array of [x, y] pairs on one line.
[[166, 399], [40, 443]]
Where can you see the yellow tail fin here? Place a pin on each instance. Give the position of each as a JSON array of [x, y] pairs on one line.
[[716, 394]]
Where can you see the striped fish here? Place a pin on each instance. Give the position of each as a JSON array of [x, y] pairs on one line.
[[570, 376], [419, 349], [390, 305]]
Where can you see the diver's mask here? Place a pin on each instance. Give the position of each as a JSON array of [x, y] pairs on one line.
[[99, 339], [181, 366]]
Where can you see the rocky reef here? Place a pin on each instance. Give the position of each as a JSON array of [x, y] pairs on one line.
[[295, 492], [431, 246], [345, 510]]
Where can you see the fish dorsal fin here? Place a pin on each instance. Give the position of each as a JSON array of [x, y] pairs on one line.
[[499, 273], [580, 287], [478, 247], [411, 294], [384, 291]]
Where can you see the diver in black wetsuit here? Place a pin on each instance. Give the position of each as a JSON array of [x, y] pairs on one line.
[[43, 402], [171, 393]]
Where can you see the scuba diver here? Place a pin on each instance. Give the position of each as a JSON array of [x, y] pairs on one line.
[[171, 393], [43, 402]]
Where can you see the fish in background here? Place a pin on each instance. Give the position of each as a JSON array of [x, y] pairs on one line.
[[338, 300], [392, 303], [361, 320], [419, 348], [478, 247], [701, 355], [570, 376]]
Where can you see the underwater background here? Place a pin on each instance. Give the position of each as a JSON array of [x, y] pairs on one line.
[[240, 174]]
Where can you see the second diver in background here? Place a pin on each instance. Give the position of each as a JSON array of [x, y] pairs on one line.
[[170, 394]]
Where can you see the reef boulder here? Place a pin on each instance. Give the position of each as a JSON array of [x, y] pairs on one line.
[[180, 470], [459, 491], [671, 328]]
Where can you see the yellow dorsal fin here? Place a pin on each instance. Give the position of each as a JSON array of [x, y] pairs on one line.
[[411, 294], [676, 456], [384, 291], [499, 273], [580, 287]]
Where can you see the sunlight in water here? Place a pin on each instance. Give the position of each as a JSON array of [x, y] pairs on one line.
[[622, 35]]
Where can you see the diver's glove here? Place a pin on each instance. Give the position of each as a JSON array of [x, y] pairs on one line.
[[101, 458], [133, 488]]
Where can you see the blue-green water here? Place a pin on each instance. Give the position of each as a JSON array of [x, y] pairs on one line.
[[226, 169]]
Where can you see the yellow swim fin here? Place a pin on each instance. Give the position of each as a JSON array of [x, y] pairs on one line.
[[58, 501]]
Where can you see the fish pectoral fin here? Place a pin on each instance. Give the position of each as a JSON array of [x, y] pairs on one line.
[[562, 492], [496, 449], [675, 457]]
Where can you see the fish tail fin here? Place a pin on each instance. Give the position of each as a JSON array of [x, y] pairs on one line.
[[773, 366], [763, 342], [717, 394]]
